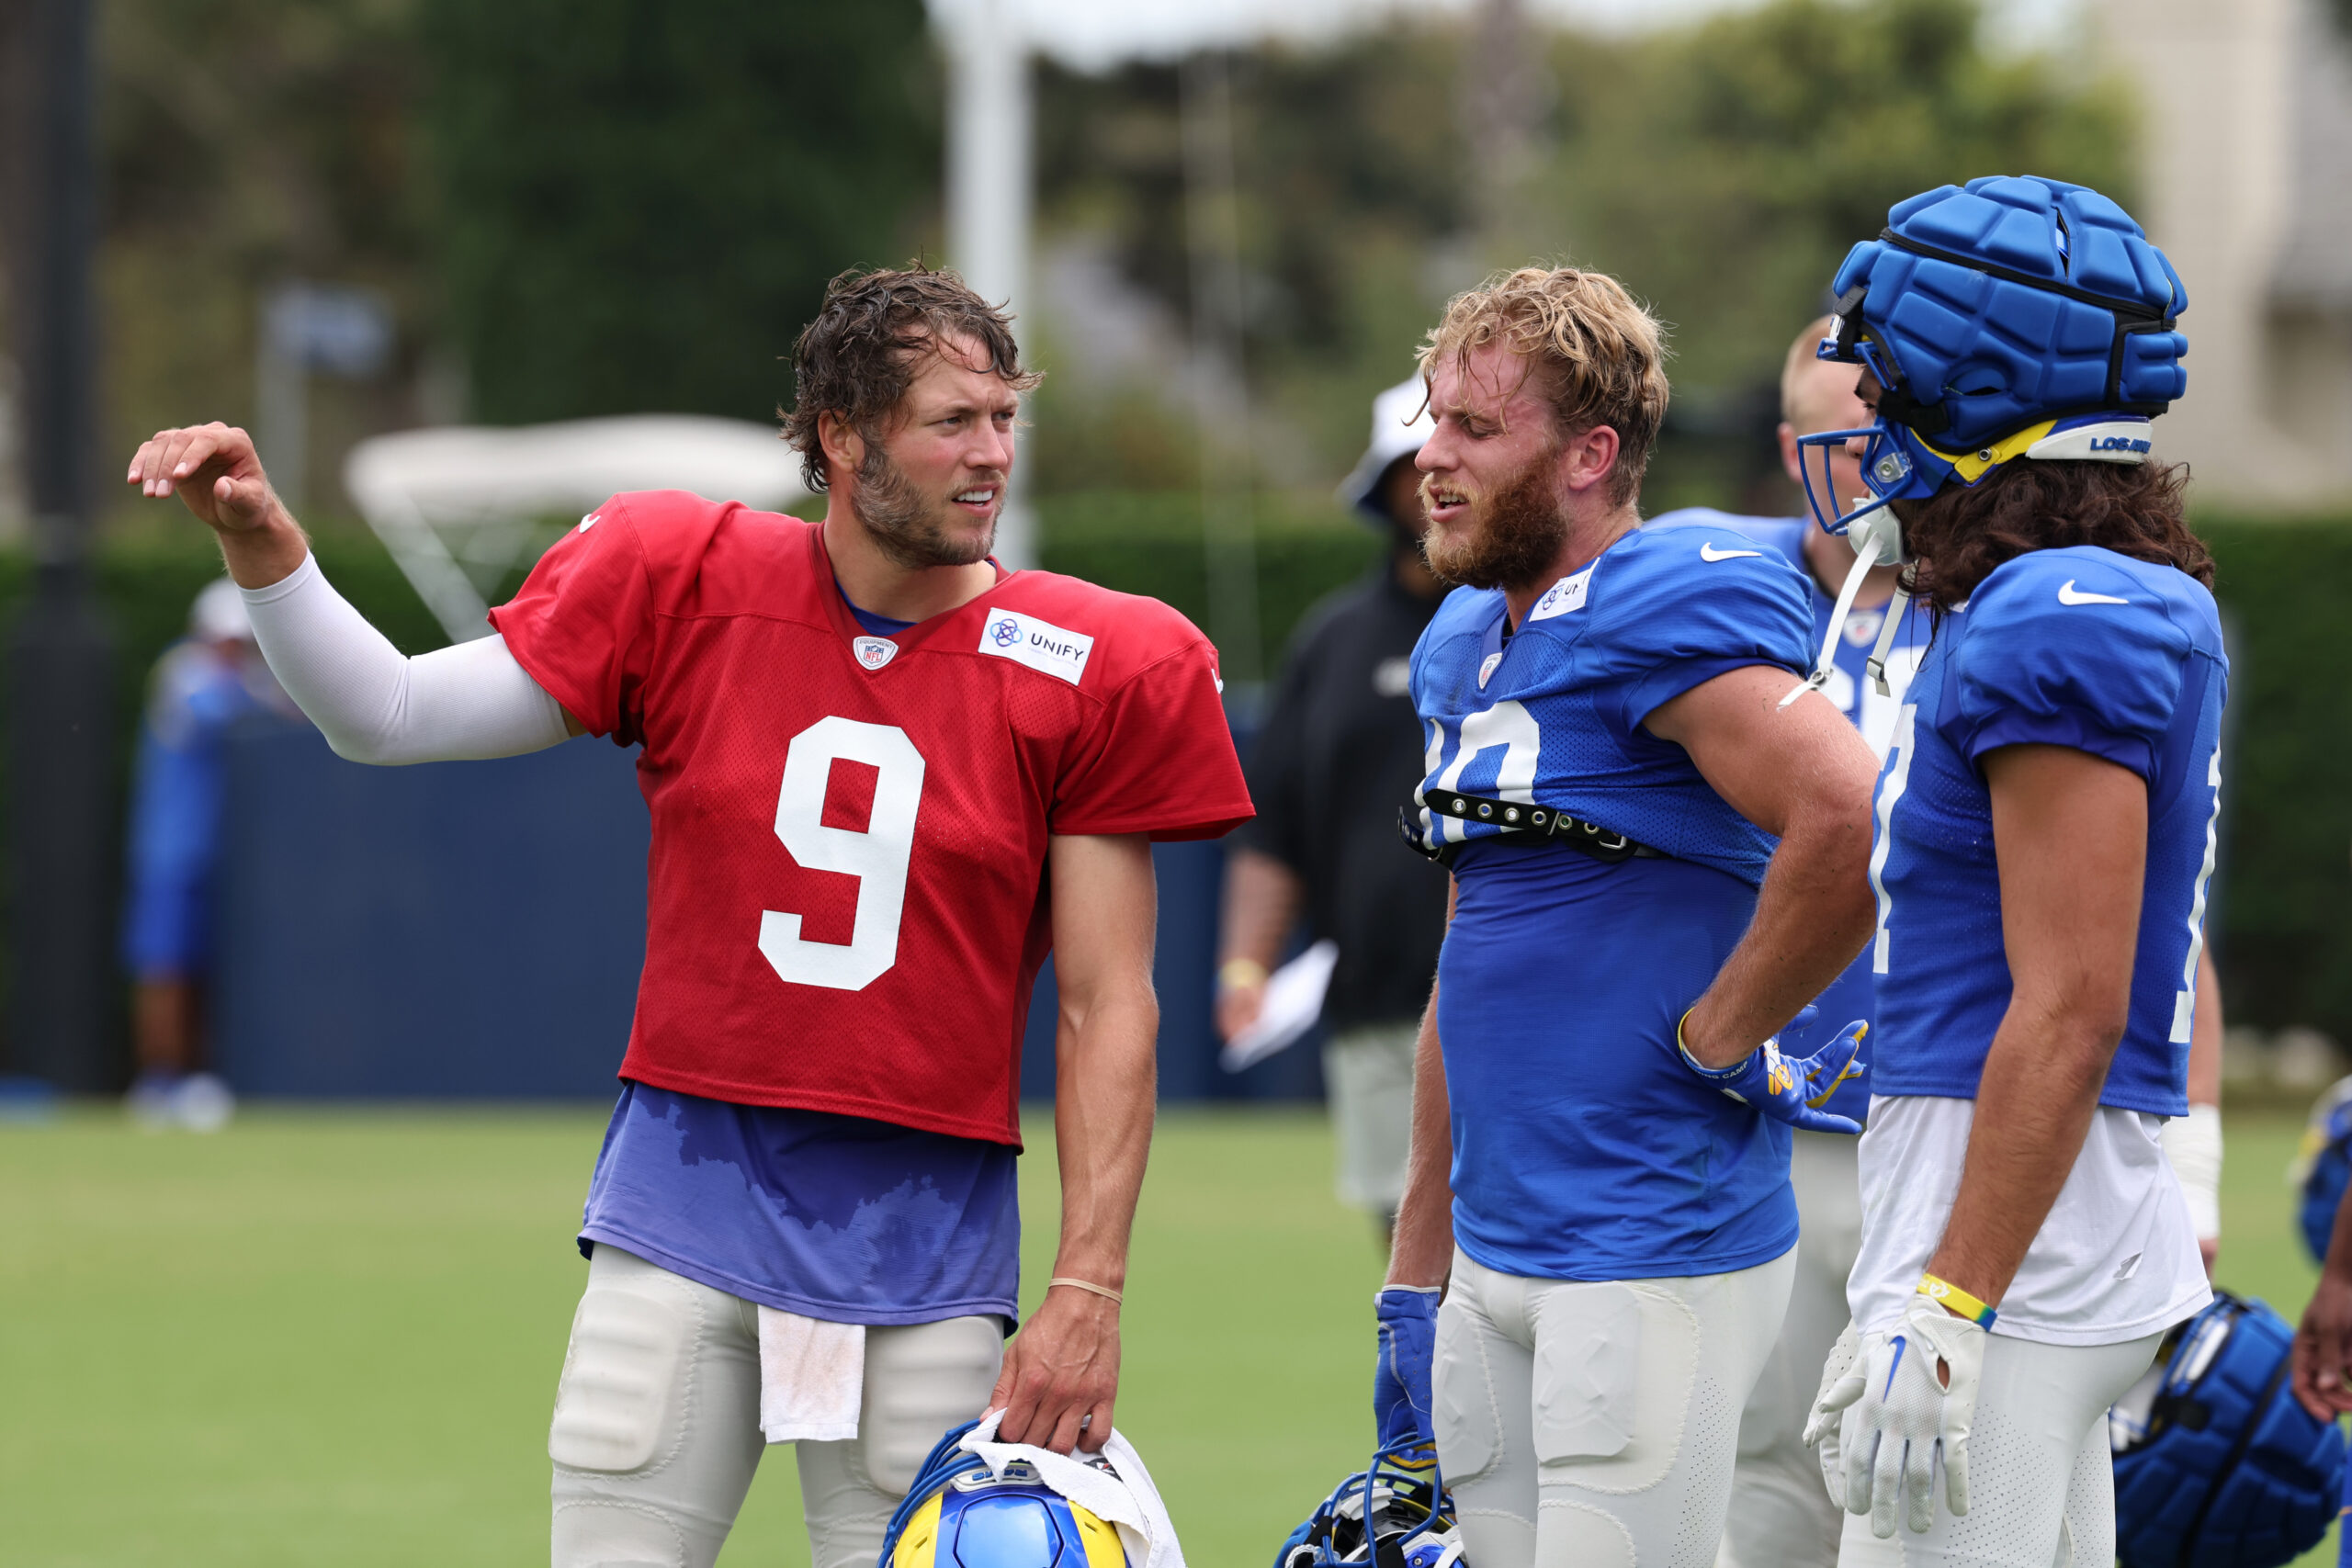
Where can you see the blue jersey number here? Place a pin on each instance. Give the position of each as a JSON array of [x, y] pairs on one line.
[[1506, 725], [1890, 790]]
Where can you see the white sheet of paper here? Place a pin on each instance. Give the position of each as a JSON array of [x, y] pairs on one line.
[[1294, 1001]]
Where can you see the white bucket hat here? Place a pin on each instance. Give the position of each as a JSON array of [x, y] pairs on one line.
[[219, 613], [1400, 422]]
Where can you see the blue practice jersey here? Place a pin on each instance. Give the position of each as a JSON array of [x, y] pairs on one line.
[[1853, 994], [1583, 1148], [2080, 648]]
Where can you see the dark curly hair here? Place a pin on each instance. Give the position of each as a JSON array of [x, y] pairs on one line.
[[1958, 537], [856, 359]]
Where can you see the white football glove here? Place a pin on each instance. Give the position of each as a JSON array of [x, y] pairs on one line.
[[1821, 1427], [1905, 1417]]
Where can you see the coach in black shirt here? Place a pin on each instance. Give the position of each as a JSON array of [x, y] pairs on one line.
[[1340, 751]]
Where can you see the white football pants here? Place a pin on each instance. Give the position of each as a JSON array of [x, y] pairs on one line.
[[1782, 1516], [1592, 1426], [2040, 1483], [1369, 1076], [657, 1422]]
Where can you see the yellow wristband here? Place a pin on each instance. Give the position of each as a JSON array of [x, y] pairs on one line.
[[1951, 1297], [1240, 973]]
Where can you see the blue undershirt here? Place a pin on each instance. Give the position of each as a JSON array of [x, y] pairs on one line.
[[831, 1217], [876, 626]]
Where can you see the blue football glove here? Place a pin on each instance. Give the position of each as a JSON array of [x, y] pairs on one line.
[[1400, 1384], [1789, 1089]]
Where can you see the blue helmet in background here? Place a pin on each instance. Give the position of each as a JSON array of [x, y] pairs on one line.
[[2324, 1167], [2216, 1465], [2015, 318], [959, 1514]]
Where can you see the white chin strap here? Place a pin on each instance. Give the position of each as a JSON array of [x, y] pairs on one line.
[[1877, 539]]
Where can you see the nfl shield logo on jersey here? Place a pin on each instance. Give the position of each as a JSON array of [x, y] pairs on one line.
[[875, 651]]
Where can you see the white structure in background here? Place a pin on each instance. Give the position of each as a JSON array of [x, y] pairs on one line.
[[2246, 183], [991, 185], [459, 508], [307, 328]]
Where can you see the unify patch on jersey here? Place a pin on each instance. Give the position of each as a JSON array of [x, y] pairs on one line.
[[874, 651], [1040, 645], [1566, 594]]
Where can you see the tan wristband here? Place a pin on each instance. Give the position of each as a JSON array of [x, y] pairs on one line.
[[1240, 973], [1104, 1291]]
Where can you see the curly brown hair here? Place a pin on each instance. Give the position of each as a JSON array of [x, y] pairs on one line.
[[1958, 536], [856, 359]]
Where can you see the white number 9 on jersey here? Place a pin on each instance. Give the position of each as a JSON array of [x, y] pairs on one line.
[[878, 857]]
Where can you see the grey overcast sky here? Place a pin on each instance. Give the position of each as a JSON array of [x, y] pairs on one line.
[[1092, 34]]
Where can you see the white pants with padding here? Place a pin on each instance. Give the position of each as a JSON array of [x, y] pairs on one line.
[[657, 1422], [2041, 1483], [1782, 1516], [1592, 1425]]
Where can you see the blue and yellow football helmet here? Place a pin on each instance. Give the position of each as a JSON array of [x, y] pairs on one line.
[[2216, 1464], [1411, 1515], [958, 1515], [2015, 318]]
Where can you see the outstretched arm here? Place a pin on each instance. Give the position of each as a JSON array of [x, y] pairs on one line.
[[371, 703], [1061, 1371], [1801, 772]]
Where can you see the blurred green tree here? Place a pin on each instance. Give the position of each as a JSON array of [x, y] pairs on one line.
[[641, 203], [1722, 170], [247, 142]]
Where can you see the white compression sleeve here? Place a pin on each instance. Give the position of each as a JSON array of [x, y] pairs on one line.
[[2193, 1145], [374, 704]]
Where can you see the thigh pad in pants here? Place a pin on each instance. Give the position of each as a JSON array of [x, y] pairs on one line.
[[656, 1428]]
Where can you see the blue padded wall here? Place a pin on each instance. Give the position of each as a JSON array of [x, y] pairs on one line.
[[465, 930], [475, 930]]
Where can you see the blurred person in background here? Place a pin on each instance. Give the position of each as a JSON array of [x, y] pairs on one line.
[[1780, 1513], [203, 685], [1338, 752]]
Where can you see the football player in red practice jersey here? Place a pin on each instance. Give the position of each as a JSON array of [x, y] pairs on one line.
[[886, 777]]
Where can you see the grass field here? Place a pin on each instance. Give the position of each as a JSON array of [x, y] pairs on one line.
[[331, 1336]]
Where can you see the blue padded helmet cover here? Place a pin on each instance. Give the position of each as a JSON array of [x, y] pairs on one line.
[[2235, 1472], [2013, 300]]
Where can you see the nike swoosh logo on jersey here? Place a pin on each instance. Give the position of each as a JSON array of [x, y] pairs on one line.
[[1709, 552], [2068, 594], [589, 522]]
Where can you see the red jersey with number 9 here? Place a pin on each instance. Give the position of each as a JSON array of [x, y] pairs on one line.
[[847, 901]]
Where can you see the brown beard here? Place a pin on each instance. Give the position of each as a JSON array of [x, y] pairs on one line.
[[1517, 537], [908, 526]]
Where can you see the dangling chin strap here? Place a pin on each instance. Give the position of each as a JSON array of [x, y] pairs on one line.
[[1895, 607], [1877, 539]]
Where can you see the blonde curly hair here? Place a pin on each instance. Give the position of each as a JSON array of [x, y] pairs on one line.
[[1599, 355]]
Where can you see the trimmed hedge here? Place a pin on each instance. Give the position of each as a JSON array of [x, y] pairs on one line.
[[2283, 924], [2282, 917]]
